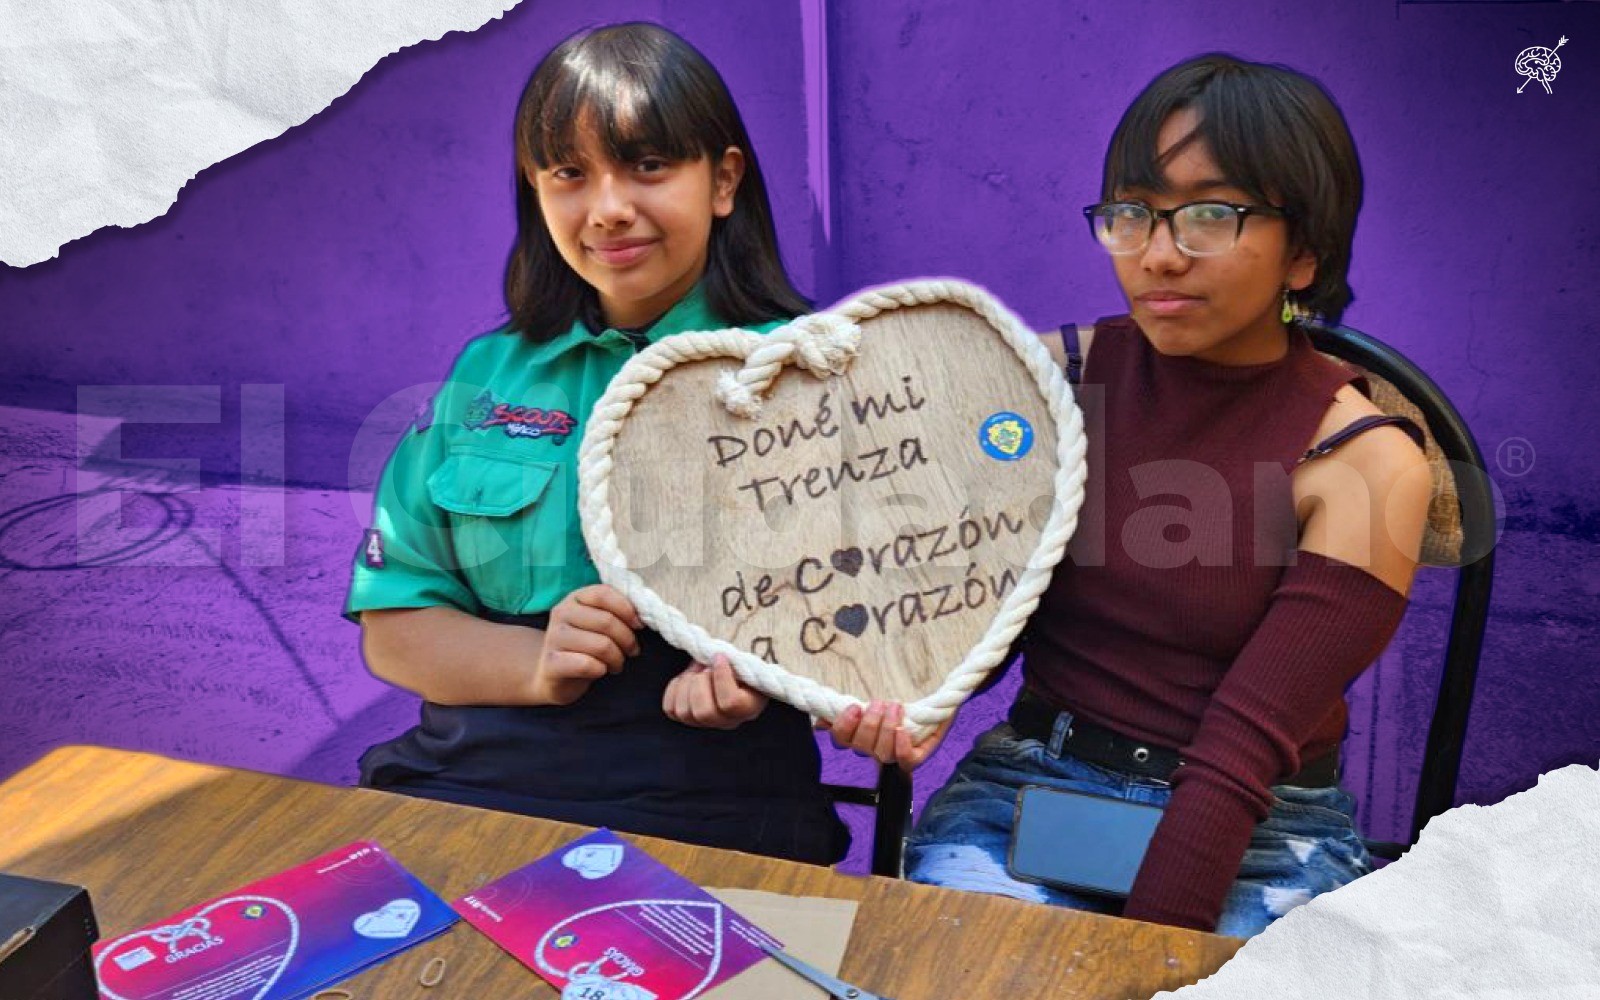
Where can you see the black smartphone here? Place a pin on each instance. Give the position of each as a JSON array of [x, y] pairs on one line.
[[1079, 842]]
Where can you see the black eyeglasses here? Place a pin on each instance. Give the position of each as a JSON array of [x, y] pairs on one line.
[[1199, 228]]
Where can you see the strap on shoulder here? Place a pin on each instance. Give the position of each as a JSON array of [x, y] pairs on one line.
[[1052, 343], [1069, 340], [1361, 426]]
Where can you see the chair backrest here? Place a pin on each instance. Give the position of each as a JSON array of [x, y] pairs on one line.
[[1461, 532]]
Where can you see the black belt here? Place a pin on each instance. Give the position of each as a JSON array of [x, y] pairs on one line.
[[1035, 719]]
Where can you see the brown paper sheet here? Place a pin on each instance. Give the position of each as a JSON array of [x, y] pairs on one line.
[[812, 929]]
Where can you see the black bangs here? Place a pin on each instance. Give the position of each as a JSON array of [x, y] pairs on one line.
[[1275, 134], [646, 92], [1230, 123], [1134, 160], [642, 97]]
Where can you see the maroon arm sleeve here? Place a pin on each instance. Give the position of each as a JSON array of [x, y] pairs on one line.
[[1327, 622]]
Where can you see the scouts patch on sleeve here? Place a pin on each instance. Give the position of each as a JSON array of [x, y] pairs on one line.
[[372, 548], [422, 419]]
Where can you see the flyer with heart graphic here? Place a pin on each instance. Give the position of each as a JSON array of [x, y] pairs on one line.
[[601, 919], [282, 938]]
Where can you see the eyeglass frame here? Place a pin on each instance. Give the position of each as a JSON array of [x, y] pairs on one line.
[[1240, 213]]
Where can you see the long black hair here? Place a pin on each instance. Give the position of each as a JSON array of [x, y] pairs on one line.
[[647, 91], [1276, 134]]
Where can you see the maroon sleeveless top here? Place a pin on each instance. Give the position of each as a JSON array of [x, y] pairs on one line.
[[1183, 614], [1185, 531]]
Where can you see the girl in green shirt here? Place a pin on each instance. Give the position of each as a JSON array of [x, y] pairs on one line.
[[641, 212]]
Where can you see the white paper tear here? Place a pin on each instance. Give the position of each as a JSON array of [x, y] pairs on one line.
[[1493, 903], [108, 108]]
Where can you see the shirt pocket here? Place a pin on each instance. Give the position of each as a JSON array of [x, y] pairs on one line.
[[506, 522]]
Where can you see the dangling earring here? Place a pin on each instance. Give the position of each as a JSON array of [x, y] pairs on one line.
[[1290, 312]]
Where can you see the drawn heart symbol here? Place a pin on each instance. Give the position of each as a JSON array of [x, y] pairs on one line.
[[593, 861], [595, 936], [393, 919], [771, 515], [852, 619], [846, 561], [249, 940]]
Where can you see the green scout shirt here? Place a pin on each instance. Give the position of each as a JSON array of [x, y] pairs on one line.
[[479, 507]]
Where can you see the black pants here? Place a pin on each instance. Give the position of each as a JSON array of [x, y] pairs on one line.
[[614, 759]]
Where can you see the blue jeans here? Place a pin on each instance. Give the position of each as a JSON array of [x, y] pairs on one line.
[[1306, 846]]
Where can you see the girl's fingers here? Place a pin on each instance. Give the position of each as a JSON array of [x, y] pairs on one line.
[[697, 697], [843, 729], [860, 737], [892, 714], [596, 644], [608, 598], [904, 752], [702, 703], [580, 618], [569, 665], [870, 733], [731, 695], [912, 755], [686, 698]]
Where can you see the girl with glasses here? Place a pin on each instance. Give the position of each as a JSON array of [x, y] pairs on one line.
[[1249, 536]]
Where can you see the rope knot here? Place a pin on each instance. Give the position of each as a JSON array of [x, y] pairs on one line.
[[823, 344], [737, 397]]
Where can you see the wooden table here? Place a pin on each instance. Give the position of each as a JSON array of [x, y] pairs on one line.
[[149, 836]]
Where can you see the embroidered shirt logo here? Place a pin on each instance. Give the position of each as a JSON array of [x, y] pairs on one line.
[[519, 421]]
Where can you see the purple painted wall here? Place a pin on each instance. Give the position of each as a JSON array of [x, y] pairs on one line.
[[352, 256], [348, 259], [967, 145]]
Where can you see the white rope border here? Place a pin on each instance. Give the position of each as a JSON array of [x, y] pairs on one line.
[[824, 343]]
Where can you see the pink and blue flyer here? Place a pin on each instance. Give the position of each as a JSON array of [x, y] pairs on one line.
[[602, 920], [282, 938]]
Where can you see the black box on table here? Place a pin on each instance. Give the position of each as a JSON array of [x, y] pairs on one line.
[[46, 929]]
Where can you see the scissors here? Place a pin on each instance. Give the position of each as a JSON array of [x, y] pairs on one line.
[[838, 989]]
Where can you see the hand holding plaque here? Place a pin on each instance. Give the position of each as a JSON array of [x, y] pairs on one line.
[[868, 506]]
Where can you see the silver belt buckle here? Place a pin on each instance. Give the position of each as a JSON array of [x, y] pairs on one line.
[[1141, 755]]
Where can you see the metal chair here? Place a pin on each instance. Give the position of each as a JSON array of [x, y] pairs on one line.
[[891, 800], [1461, 534]]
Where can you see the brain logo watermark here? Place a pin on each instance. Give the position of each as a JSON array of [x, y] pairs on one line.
[[1539, 63]]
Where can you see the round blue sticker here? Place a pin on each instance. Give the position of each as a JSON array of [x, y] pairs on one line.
[[1006, 436]]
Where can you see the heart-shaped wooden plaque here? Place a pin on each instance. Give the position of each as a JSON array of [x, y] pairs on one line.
[[867, 503]]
